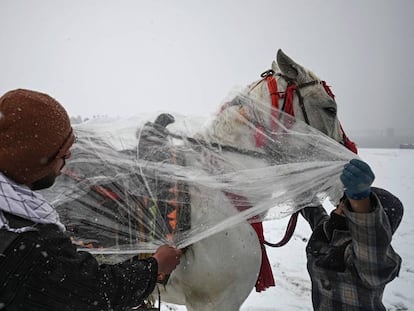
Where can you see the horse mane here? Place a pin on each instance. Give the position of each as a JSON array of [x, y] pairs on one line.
[[313, 75], [231, 123]]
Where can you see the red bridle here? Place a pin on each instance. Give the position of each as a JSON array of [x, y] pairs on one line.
[[288, 96], [287, 107]]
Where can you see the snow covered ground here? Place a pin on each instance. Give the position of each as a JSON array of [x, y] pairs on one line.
[[394, 171]]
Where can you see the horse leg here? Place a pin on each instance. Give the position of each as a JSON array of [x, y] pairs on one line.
[[217, 273]]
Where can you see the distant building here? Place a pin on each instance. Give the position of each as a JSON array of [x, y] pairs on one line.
[[383, 138], [406, 146]]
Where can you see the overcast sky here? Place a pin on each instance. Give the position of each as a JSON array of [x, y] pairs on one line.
[[129, 57]]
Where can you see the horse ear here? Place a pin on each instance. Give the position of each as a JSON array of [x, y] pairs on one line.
[[289, 67], [275, 67]]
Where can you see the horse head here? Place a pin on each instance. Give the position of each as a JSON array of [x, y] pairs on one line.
[[287, 87], [313, 101]]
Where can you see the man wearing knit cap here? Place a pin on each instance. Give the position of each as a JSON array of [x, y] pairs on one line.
[[40, 268]]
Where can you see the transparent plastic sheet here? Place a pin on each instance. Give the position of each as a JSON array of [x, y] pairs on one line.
[[133, 184]]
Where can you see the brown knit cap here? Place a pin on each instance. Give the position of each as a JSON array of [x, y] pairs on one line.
[[35, 131]]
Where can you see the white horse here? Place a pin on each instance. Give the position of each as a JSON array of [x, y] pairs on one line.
[[219, 272]]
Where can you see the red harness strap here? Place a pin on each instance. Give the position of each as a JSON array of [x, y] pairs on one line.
[[288, 108], [274, 96], [260, 137], [290, 92], [265, 278]]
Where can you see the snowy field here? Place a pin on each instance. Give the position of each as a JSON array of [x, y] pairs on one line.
[[394, 171]]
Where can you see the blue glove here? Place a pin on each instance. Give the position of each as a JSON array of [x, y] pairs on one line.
[[357, 178]]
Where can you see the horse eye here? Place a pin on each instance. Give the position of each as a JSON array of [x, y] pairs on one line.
[[331, 111]]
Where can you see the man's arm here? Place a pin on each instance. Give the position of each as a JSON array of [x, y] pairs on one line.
[[370, 251], [314, 215], [128, 283], [372, 254]]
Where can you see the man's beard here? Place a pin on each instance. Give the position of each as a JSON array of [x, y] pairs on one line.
[[44, 182]]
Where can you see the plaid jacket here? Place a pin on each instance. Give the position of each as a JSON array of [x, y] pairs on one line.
[[350, 260]]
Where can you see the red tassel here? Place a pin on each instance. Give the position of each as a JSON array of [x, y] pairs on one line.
[[290, 91], [265, 278]]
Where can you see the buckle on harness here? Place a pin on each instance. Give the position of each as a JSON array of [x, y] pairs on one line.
[[267, 73]]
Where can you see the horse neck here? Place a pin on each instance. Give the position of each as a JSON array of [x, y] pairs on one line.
[[229, 128]]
